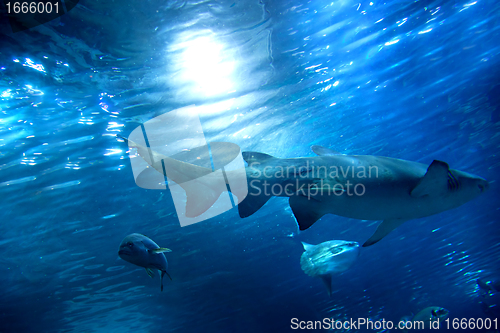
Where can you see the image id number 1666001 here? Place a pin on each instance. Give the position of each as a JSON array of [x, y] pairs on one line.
[[471, 323], [32, 7]]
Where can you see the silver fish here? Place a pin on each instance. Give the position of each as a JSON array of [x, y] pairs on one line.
[[430, 315], [328, 258]]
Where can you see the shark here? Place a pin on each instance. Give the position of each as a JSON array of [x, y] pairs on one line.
[[365, 187], [328, 258]]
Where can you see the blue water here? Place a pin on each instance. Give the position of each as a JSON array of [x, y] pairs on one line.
[[412, 80]]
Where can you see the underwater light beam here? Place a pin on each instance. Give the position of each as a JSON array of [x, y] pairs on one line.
[[204, 67]]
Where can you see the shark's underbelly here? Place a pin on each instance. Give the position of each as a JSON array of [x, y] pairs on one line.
[[382, 205]]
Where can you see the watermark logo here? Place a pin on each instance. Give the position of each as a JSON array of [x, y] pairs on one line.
[[309, 180], [28, 14], [173, 149]]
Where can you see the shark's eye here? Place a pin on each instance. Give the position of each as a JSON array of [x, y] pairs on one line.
[[481, 187], [130, 244]]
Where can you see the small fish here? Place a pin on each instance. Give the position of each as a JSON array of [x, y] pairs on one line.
[[429, 315], [489, 292], [491, 286], [328, 258], [140, 250]]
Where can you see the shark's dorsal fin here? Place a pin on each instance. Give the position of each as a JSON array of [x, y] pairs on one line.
[[306, 211], [383, 229], [435, 180], [322, 151], [307, 246], [253, 157], [327, 280]]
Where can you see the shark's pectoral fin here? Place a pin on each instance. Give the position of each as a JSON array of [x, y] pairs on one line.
[[383, 230], [150, 272], [322, 151], [306, 211], [435, 180], [327, 280]]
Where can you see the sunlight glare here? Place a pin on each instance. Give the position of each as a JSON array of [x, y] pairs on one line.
[[205, 67]]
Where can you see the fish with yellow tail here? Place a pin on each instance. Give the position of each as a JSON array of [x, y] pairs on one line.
[[140, 250]]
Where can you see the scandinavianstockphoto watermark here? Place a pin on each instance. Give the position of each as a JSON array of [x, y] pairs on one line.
[[309, 180]]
